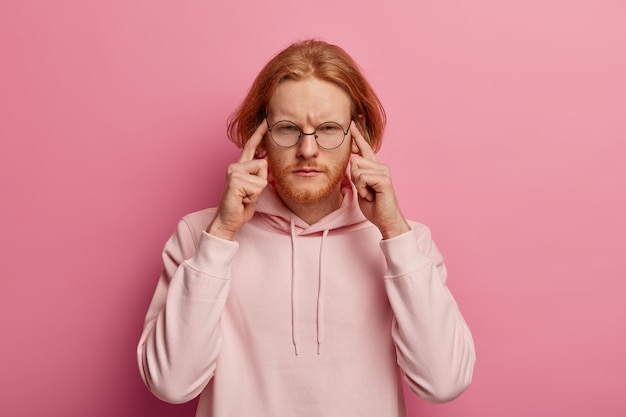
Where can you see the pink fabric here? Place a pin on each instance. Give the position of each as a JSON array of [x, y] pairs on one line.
[[303, 320]]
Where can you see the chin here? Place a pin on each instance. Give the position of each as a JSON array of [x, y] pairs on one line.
[[303, 195]]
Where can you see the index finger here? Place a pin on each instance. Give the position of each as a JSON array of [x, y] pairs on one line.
[[249, 149], [364, 147]]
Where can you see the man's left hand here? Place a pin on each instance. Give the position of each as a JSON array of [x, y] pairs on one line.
[[372, 179]]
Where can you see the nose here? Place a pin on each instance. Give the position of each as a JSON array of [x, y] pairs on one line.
[[307, 146]]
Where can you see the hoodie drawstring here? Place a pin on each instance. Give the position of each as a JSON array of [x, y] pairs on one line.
[[294, 330], [320, 334], [320, 290]]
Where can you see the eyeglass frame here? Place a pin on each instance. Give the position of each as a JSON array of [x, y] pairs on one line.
[[301, 133]]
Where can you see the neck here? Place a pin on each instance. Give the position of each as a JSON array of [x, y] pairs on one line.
[[313, 211]]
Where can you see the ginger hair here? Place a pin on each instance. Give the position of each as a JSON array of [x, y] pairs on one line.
[[302, 60]]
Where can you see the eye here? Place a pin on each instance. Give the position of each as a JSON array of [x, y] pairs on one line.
[[330, 128], [286, 128]]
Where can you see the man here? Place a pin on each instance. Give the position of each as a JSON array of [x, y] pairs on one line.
[[305, 292]]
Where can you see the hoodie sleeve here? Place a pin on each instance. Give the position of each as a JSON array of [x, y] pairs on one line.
[[433, 343], [181, 339]]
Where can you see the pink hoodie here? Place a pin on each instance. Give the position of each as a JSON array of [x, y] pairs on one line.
[[298, 320]]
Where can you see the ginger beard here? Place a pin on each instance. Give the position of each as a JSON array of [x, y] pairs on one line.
[[285, 183]]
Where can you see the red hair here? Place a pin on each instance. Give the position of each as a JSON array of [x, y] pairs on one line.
[[301, 60]]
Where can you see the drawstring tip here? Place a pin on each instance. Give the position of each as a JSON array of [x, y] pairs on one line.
[[318, 348], [295, 349]]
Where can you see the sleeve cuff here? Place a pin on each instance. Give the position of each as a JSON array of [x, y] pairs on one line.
[[214, 256], [403, 254]]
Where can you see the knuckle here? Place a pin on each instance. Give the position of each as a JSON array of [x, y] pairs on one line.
[[232, 168]]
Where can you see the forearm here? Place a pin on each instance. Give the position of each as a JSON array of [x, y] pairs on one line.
[[433, 343], [181, 340]]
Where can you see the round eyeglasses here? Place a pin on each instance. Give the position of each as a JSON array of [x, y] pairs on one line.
[[328, 135]]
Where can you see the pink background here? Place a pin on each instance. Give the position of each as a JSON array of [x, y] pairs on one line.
[[506, 135]]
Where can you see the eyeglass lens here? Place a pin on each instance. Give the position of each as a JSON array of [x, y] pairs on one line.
[[328, 135]]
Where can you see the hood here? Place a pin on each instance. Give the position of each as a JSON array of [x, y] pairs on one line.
[[271, 210]]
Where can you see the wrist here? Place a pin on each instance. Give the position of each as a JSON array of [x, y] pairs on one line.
[[395, 230], [217, 229]]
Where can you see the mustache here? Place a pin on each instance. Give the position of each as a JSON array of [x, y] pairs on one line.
[[307, 165]]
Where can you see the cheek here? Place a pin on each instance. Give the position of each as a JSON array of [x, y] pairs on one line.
[[347, 148], [275, 159], [342, 159], [271, 161]]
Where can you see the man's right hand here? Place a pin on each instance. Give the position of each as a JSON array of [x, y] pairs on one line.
[[245, 180]]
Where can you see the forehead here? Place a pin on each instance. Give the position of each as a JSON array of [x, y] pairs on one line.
[[309, 100]]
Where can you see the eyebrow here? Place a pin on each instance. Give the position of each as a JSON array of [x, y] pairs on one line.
[[297, 123]]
